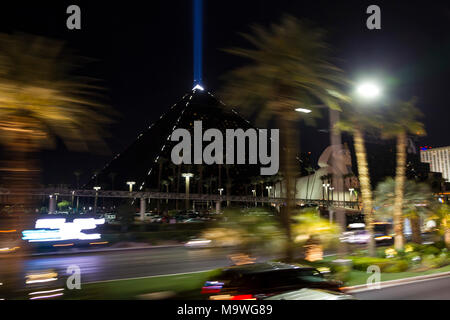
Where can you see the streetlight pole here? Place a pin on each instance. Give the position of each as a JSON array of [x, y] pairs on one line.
[[187, 176], [254, 195], [131, 184], [96, 196]]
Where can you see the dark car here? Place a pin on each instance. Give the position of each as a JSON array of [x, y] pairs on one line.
[[261, 280]]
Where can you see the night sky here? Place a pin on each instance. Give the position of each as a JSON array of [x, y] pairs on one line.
[[142, 54]]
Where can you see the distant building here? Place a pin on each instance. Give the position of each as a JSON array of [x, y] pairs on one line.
[[438, 158]]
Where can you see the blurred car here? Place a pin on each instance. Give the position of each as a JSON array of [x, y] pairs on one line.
[[311, 294], [193, 220], [198, 243], [358, 235], [262, 280]]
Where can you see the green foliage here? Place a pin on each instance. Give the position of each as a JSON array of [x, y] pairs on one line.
[[415, 193], [249, 229], [309, 225], [385, 265], [63, 204]]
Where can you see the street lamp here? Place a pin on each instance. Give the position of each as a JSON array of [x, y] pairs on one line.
[[96, 196], [368, 90], [254, 194], [220, 191], [131, 184], [187, 176], [268, 190], [351, 191]]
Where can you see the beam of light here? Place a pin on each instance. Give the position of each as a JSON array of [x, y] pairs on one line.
[[45, 292], [46, 297], [302, 110], [40, 280], [7, 231], [198, 34]]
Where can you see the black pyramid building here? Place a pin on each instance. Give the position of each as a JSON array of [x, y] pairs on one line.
[[147, 160]]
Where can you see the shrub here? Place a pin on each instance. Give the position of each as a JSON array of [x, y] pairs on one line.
[[385, 265], [398, 266]]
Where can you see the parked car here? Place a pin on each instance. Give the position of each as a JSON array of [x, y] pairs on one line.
[[262, 280]]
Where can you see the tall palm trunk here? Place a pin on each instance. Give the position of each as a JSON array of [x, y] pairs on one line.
[[288, 142], [399, 189], [178, 185], [366, 189], [415, 228], [446, 224], [159, 184]]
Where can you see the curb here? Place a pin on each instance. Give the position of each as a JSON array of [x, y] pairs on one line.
[[397, 282]]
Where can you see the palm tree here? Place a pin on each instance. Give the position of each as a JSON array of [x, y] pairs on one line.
[[309, 171], [161, 161], [77, 174], [443, 215], [112, 177], [166, 183], [229, 182], [401, 120], [289, 69], [415, 202], [39, 101], [356, 120]]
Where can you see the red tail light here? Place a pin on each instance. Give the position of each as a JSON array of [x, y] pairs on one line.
[[243, 297]]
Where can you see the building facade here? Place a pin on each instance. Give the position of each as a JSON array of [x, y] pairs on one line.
[[439, 160]]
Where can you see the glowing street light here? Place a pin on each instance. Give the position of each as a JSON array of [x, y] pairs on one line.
[[303, 110], [351, 191], [268, 190], [131, 184], [187, 176], [368, 90], [220, 191]]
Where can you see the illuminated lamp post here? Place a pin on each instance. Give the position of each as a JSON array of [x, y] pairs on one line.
[[187, 176], [96, 196], [254, 195], [131, 184]]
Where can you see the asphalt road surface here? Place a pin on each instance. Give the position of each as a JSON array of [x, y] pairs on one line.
[[434, 289], [123, 264], [101, 266]]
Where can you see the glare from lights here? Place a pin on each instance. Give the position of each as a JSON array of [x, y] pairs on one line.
[[199, 87], [303, 110], [368, 90], [60, 230]]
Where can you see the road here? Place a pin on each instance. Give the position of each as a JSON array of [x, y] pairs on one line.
[[434, 289], [101, 266], [110, 265]]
